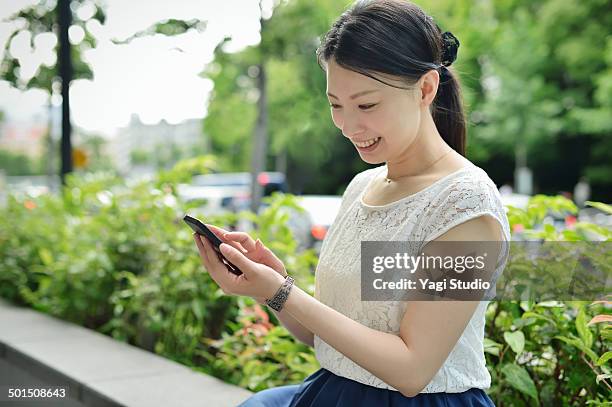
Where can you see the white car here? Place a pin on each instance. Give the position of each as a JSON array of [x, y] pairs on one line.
[[310, 227], [519, 201], [228, 192]]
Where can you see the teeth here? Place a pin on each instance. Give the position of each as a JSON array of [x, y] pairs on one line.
[[367, 143]]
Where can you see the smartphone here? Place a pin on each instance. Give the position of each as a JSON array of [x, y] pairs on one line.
[[200, 228]]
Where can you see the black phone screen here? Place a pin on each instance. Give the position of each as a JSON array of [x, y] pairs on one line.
[[200, 228]]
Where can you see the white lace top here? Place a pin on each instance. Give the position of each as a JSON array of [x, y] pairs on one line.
[[421, 217]]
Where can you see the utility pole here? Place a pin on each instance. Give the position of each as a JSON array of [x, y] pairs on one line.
[[64, 19], [258, 161], [523, 177]]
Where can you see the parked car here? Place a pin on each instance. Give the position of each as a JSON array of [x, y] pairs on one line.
[[519, 201], [310, 227], [228, 192]]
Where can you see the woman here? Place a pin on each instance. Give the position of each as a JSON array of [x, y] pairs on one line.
[[392, 96]]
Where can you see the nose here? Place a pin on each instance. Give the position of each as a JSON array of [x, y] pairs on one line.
[[351, 127]]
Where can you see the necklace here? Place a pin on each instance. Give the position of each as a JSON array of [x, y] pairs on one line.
[[388, 180]]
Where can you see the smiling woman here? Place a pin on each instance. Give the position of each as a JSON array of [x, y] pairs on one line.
[[393, 97]]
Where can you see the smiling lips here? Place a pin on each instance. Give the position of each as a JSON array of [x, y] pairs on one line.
[[367, 143]]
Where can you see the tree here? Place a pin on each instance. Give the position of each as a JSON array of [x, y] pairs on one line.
[[51, 16], [546, 90], [536, 78], [54, 17], [299, 128]]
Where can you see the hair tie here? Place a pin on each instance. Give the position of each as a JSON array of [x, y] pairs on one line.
[[444, 73], [450, 45]]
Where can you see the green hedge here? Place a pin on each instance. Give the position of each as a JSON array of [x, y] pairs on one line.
[[119, 259]]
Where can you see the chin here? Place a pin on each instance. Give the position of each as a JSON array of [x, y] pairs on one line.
[[372, 160]]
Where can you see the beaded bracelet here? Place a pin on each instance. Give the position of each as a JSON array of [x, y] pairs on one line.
[[277, 302]]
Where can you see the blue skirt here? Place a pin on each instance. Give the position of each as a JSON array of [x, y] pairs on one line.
[[323, 388]]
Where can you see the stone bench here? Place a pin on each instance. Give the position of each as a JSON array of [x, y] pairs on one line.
[[37, 350]]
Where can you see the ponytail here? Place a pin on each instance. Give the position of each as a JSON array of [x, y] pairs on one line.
[[447, 111]]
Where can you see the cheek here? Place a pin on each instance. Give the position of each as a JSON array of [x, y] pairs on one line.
[[336, 118], [399, 125]]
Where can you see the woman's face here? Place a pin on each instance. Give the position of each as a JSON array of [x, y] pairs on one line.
[[366, 110]]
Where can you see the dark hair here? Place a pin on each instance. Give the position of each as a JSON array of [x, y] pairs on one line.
[[396, 37]]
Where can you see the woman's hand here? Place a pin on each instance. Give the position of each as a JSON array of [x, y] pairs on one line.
[[254, 250], [258, 252], [258, 280]]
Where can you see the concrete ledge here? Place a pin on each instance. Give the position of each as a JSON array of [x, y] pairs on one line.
[[99, 370]]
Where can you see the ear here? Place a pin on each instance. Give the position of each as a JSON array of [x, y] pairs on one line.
[[429, 87]]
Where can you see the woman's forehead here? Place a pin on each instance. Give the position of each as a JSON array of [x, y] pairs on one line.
[[336, 73], [344, 83], [347, 81]]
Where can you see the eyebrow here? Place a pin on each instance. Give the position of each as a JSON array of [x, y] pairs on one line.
[[365, 92]]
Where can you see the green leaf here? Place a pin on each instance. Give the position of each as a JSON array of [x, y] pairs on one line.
[[583, 330], [576, 342], [491, 347], [604, 358], [530, 314], [516, 340], [518, 377], [601, 206], [45, 256], [550, 304], [606, 333], [198, 308]]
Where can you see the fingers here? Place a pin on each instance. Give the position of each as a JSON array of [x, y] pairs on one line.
[[220, 233], [243, 238], [201, 248], [211, 260], [253, 250], [233, 238], [270, 258], [239, 259], [216, 230]]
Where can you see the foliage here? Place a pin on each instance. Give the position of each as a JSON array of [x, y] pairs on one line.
[[39, 19], [548, 353], [259, 354], [167, 27], [118, 259], [533, 59], [18, 164]]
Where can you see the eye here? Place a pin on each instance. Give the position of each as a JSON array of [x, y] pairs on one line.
[[367, 107], [334, 106]]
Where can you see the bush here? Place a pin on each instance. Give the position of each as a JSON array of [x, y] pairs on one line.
[[549, 353], [119, 259]]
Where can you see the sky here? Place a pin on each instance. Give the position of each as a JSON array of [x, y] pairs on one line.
[[148, 77]]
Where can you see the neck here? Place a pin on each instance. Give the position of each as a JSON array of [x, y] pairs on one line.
[[427, 147]]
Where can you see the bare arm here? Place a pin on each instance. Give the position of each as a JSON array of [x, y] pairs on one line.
[[298, 330]]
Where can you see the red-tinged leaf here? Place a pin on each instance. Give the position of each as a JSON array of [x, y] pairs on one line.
[[261, 313], [602, 302], [597, 319]]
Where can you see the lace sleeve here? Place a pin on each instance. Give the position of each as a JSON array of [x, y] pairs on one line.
[[467, 198]]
